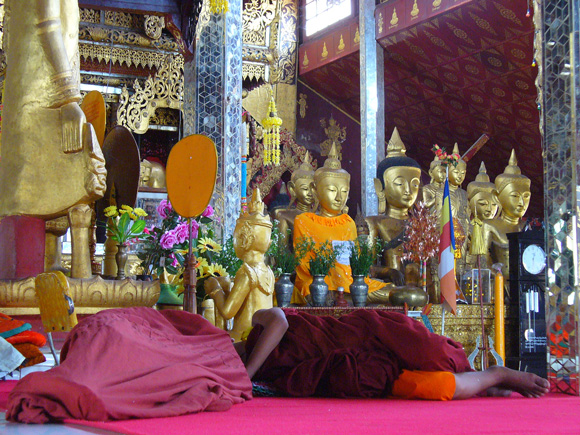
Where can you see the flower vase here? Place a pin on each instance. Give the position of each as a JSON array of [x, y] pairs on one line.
[[168, 298], [121, 260], [359, 291], [318, 291], [284, 289]]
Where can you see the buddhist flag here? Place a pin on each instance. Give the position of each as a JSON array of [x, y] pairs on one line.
[[446, 251]]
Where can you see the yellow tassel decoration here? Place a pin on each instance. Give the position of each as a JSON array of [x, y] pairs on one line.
[[218, 6], [271, 126]]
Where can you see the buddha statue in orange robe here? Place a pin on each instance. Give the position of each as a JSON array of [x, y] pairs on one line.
[[332, 186]]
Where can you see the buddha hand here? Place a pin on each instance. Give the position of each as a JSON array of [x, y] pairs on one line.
[[73, 119]]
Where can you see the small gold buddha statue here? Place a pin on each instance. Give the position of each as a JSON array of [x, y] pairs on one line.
[[253, 285], [482, 196], [301, 189], [332, 186], [433, 192], [484, 204], [514, 193], [144, 173], [397, 184]]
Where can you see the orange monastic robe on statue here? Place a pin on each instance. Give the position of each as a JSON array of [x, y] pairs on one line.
[[340, 229]]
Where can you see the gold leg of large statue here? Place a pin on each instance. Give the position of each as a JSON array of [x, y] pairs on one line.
[[80, 221], [55, 229]]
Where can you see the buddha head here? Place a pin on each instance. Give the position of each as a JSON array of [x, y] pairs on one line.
[[157, 177], [301, 185], [513, 190], [332, 185], [253, 228], [482, 196], [398, 179], [457, 172], [437, 171], [144, 173]]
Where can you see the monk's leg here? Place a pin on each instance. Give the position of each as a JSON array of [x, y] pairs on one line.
[[499, 381]]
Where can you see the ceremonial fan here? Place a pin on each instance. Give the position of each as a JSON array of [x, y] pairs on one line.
[[191, 175]]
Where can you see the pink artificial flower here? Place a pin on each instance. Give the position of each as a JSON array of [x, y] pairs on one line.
[[146, 230], [168, 240], [208, 212], [181, 233], [164, 208], [174, 263], [194, 228]]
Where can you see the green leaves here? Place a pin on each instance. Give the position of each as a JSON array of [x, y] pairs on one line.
[[123, 228]]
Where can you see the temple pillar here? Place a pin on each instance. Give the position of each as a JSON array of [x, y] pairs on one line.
[[372, 100], [557, 36], [213, 99]]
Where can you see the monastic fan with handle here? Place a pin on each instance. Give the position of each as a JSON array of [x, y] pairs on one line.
[[191, 175]]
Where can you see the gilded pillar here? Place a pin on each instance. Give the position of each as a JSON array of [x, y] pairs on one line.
[[217, 76], [557, 37], [372, 113]]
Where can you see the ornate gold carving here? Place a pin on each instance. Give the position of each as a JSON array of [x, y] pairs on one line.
[[117, 55], [89, 295], [357, 37], [253, 71], [303, 105], [121, 19], [165, 116], [341, 44], [394, 18], [154, 25], [94, 79], [253, 54], [256, 19], [335, 134], [288, 42], [305, 62], [111, 35], [165, 89], [324, 51], [415, 10], [90, 16]]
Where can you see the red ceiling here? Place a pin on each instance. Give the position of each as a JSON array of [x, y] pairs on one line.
[[452, 78]]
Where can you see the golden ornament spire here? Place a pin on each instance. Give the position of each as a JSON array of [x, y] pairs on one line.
[[332, 167], [305, 170], [481, 183], [456, 149], [255, 212], [396, 147]]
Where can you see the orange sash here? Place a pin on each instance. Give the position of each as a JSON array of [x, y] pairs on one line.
[[416, 384]]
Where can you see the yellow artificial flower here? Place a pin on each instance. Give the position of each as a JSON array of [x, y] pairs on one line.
[[216, 270], [111, 211], [140, 212], [206, 244], [122, 212], [133, 216], [127, 208], [202, 267]]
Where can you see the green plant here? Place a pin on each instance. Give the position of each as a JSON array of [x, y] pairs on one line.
[[279, 256], [323, 259], [228, 259], [362, 256], [124, 223]]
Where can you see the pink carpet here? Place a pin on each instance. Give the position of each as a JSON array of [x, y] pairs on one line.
[[553, 414]]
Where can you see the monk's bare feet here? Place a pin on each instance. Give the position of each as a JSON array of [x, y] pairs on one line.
[[527, 384]]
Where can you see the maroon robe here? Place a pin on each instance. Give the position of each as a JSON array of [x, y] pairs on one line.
[[135, 363], [360, 354]]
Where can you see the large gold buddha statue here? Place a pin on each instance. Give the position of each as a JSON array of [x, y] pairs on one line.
[[152, 174], [514, 193], [301, 189], [397, 183], [253, 285], [332, 186], [51, 158]]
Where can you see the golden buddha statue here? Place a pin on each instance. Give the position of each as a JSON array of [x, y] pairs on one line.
[[433, 192], [51, 158], [514, 193], [397, 184], [152, 174], [253, 285], [482, 196], [332, 186], [301, 189]]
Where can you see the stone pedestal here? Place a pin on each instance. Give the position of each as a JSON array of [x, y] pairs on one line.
[[21, 247]]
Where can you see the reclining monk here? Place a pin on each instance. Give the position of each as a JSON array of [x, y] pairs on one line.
[[139, 363]]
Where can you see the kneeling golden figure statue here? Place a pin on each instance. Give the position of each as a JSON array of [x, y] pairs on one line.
[[253, 285]]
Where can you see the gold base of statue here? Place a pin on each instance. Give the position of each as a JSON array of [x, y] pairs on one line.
[[466, 326], [89, 295]]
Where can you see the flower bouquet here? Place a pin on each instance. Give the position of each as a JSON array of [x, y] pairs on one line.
[[125, 223]]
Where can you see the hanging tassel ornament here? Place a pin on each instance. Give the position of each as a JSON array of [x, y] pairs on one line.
[[218, 6], [271, 126]]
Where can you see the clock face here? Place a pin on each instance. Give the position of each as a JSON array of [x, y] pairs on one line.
[[534, 259]]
